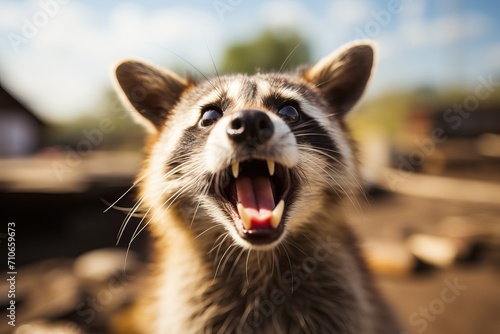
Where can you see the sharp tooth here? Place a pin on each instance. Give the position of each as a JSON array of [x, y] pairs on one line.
[[236, 169], [277, 214], [270, 167], [247, 224]]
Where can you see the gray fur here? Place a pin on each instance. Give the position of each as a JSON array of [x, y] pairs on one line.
[[209, 280]]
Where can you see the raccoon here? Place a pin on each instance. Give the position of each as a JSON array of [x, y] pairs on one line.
[[244, 188]]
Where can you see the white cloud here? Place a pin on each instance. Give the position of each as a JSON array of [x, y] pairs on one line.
[[327, 27], [452, 29], [492, 57], [9, 15], [64, 68], [421, 50], [349, 11], [416, 31], [287, 14]]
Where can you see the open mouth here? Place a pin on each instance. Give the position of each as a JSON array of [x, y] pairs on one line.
[[255, 192]]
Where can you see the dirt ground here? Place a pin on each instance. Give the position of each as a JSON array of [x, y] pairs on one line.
[[462, 298]]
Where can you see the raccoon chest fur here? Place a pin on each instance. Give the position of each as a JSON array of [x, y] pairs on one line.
[[244, 186], [282, 291]]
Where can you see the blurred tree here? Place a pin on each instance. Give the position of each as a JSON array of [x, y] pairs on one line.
[[124, 133], [271, 50]]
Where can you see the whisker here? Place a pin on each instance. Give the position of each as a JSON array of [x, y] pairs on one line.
[[235, 263], [351, 173], [272, 266], [354, 178], [203, 193], [179, 191], [246, 267], [125, 193], [297, 247], [123, 209], [220, 261], [287, 59], [350, 194], [205, 76], [228, 257], [312, 242], [136, 182], [226, 234], [139, 229], [206, 230], [140, 201], [215, 66], [126, 221], [258, 260], [326, 180], [289, 262]]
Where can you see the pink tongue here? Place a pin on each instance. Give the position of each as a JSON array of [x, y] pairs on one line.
[[256, 196]]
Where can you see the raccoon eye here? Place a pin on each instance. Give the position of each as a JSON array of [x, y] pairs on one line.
[[210, 117], [289, 114]]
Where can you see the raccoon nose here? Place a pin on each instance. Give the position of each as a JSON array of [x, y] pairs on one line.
[[250, 126]]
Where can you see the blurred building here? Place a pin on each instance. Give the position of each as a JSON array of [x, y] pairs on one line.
[[56, 194], [445, 138], [21, 130]]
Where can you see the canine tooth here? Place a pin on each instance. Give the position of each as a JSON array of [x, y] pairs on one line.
[[236, 169], [270, 167], [277, 214], [247, 224]]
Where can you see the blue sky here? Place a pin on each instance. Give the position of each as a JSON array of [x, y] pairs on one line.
[[62, 66]]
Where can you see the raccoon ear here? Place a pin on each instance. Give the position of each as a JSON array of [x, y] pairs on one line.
[[151, 91], [341, 77]]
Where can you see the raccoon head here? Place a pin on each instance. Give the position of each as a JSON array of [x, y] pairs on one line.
[[256, 157]]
